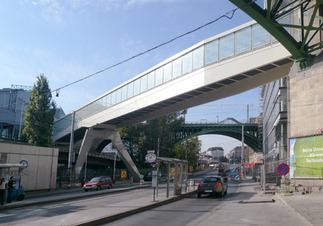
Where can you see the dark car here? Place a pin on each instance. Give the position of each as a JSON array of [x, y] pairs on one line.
[[98, 183], [149, 176], [214, 185]]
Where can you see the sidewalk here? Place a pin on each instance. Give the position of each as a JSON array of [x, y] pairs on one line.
[[309, 207]]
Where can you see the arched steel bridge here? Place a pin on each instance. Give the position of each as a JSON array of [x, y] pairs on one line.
[[252, 132]]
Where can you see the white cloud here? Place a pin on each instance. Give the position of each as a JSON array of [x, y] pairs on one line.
[[50, 10]]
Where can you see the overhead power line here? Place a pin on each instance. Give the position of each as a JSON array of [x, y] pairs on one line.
[[229, 15]]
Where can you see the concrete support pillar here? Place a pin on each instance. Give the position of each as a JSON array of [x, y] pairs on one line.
[[116, 139], [84, 150], [112, 135]]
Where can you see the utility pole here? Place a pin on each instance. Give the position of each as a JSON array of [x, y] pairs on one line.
[[157, 168], [242, 154], [114, 166], [70, 155], [247, 113], [85, 172]]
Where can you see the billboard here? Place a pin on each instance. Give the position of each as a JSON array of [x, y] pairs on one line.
[[306, 157]]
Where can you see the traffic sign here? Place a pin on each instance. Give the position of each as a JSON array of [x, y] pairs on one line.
[[151, 157], [154, 179], [237, 176], [283, 169], [233, 170], [123, 174], [24, 163]]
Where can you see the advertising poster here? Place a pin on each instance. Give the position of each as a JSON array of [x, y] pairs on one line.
[[306, 157]]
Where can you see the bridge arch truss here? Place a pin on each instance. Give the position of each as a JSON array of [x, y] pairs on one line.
[[252, 135]]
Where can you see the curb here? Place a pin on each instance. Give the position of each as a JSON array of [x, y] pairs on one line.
[[293, 210], [19, 205], [119, 216]]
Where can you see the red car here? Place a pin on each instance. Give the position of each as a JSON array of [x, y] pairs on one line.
[[97, 183]]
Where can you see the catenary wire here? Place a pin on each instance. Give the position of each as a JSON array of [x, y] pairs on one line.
[[229, 15]]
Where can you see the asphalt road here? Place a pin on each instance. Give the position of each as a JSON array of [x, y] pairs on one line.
[[60, 213], [255, 209], [229, 210]]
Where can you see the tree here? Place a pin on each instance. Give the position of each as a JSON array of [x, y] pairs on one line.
[[40, 114], [189, 150], [141, 137], [131, 139]]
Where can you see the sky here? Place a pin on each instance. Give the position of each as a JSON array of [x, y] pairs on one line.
[[71, 39]]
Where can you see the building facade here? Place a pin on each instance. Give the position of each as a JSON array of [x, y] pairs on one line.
[[275, 137], [215, 152], [13, 104], [305, 125], [13, 108], [234, 155]]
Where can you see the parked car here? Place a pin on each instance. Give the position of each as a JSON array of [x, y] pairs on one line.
[[214, 185], [98, 183]]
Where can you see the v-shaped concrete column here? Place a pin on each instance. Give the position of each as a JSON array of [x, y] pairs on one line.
[[104, 134]]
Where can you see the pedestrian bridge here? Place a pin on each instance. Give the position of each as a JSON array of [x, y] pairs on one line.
[[227, 64], [224, 65]]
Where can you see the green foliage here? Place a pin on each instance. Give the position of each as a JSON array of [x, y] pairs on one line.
[[132, 136], [40, 114], [141, 137], [189, 150]]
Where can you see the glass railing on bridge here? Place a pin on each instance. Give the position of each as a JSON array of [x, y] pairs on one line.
[[216, 49]]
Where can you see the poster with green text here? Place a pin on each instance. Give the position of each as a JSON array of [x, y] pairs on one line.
[[306, 157]]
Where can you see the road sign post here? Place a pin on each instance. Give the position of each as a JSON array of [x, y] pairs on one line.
[[154, 179]]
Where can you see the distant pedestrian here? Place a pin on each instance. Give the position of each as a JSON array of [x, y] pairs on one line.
[[10, 189], [82, 182], [3, 187]]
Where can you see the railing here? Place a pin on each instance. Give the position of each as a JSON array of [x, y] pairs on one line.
[[245, 38]]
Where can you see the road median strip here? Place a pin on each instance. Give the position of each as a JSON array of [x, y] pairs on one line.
[[81, 195]]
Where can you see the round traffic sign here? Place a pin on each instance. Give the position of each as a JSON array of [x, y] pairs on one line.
[[24, 163], [150, 157], [283, 169]]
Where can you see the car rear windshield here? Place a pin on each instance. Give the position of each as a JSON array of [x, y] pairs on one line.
[[211, 180], [95, 179]]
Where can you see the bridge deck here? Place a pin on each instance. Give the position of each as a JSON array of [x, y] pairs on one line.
[[221, 66]]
